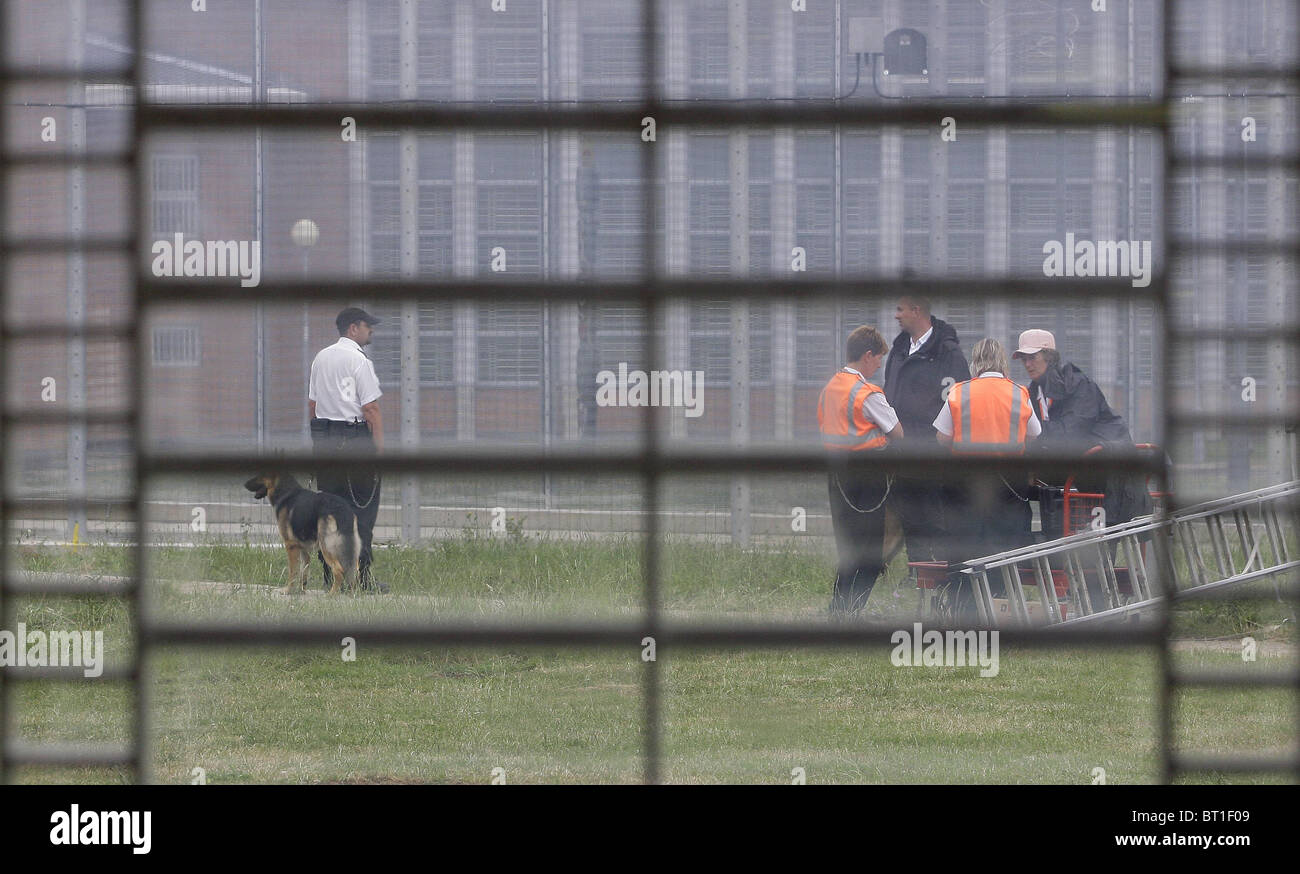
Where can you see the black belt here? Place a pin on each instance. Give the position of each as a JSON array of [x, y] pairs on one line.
[[332, 424]]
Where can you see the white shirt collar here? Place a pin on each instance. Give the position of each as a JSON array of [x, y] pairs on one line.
[[855, 372], [991, 373], [349, 343], [918, 343]]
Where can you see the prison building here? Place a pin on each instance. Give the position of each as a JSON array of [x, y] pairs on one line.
[[956, 200]]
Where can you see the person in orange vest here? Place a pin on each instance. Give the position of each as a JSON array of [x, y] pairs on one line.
[[988, 417], [854, 417]]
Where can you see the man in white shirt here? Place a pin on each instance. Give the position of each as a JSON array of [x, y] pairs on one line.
[[343, 400]]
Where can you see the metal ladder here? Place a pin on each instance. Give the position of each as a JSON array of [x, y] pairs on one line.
[[1108, 573], [1240, 520]]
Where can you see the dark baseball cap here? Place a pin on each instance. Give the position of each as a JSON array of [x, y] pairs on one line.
[[353, 314]]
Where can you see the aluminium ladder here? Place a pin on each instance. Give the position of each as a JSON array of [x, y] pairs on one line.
[[1108, 573]]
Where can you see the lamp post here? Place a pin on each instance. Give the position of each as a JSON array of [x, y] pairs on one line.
[[305, 234]]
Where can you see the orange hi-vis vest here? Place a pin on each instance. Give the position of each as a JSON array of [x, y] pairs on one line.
[[842, 414], [989, 416]]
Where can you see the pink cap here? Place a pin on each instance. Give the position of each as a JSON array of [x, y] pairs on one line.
[[1035, 340]]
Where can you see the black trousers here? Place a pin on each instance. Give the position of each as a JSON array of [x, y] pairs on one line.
[[347, 474], [859, 536], [987, 516], [919, 505]]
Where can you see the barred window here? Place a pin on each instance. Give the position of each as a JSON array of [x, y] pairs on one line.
[[383, 49], [611, 61], [176, 346], [619, 336], [967, 169], [611, 206], [760, 204], [434, 49], [384, 210], [435, 204], [814, 51], [967, 318], [967, 44], [509, 202], [508, 169], [711, 342], [174, 189], [1250, 32], [860, 202], [510, 344], [758, 55], [508, 50], [815, 343], [611, 55], [916, 201], [710, 205], [1050, 194], [814, 156], [1031, 45], [706, 45], [436, 345]]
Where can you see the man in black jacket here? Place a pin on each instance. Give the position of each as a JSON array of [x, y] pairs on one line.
[[923, 364]]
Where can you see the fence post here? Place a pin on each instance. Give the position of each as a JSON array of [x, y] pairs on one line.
[[738, 141], [76, 206], [409, 174]]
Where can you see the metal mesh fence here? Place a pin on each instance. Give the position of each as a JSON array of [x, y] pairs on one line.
[[552, 200]]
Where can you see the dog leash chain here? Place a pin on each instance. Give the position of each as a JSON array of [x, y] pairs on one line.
[[374, 487], [889, 484], [1024, 500], [374, 480]]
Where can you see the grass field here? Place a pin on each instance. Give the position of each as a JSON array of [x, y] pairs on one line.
[[303, 714]]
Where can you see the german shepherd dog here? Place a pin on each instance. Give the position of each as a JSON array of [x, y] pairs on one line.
[[309, 521]]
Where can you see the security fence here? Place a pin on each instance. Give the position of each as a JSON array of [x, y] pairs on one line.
[[546, 199]]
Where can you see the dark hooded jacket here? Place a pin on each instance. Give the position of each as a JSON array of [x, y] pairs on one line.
[[1078, 419], [914, 383]]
